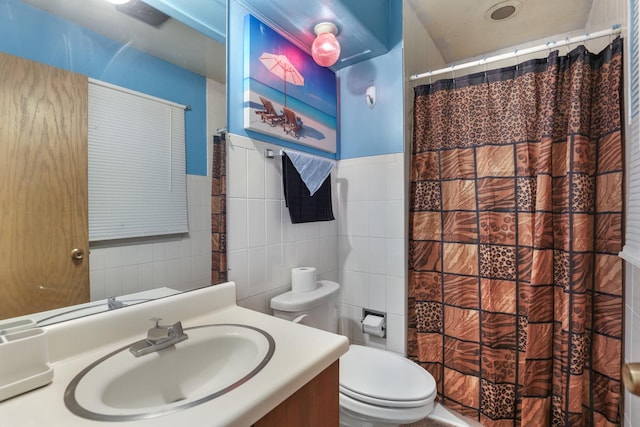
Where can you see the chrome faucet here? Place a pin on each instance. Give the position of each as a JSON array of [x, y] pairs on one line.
[[159, 337]]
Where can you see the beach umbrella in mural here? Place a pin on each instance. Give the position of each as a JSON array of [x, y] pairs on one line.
[[281, 67]]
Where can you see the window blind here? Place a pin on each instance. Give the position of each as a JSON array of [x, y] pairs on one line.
[[631, 250], [137, 172]]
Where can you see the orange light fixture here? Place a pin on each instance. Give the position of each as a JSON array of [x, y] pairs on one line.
[[325, 49]]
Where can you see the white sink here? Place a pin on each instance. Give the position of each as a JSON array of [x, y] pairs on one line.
[[214, 360]]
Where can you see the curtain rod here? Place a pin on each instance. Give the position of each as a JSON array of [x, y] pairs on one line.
[[270, 154], [616, 29]]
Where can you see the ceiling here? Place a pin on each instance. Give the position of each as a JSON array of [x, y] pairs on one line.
[[460, 31], [175, 41], [458, 27]]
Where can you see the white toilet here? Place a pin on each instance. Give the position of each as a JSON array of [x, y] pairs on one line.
[[377, 387]]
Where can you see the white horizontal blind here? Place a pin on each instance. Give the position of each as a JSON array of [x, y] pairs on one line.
[[631, 250], [137, 172]]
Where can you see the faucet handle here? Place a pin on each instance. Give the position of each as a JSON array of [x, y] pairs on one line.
[[175, 330], [158, 333]]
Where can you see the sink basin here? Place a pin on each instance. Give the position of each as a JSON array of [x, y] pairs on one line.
[[213, 361]]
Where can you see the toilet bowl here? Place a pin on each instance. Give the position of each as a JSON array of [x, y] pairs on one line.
[[377, 387], [383, 388]]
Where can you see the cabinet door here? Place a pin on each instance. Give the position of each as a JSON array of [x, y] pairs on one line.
[[43, 188], [315, 405]]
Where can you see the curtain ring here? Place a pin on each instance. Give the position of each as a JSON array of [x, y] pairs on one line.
[[586, 48], [515, 55], [548, 51], [484, 61], [611, 39], [453, 73]]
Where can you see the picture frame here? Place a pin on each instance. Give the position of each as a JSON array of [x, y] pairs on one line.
[[286, 94]]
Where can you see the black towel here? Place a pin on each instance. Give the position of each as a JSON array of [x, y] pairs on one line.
[[302, 206]]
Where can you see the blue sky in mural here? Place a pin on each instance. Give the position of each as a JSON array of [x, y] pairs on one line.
[[319, 89]]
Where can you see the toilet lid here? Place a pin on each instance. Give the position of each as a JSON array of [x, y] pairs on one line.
[[300, 301], [383, 378]]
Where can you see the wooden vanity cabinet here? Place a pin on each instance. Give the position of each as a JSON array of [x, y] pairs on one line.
[[316, 404]]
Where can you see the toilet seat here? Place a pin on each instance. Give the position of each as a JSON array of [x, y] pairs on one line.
[[355, 409], [384, 402], [381, 378]]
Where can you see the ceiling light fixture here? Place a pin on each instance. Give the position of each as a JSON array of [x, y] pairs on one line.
[[503, 13], [325, 49], [503, 10], [118, 1]]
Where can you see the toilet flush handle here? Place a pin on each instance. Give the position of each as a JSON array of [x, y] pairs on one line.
[[631, 377], [300, 318]]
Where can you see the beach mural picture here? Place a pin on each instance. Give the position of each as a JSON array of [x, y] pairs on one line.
[[286, 94]]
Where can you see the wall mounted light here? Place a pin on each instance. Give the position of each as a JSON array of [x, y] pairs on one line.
[[325, 49], [370, 95]]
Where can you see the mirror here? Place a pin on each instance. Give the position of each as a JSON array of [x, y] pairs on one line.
[[95, 39]]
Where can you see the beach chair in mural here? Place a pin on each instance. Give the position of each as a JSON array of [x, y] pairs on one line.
[[269, 115], [292, 124]]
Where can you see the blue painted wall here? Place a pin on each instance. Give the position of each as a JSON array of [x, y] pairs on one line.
[[365, 132], [361, 132], [33, 34]]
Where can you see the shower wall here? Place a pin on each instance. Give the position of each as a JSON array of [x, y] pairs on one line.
[[605, 13]]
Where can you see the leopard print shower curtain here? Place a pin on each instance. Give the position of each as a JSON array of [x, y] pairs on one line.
[[219, 211], [515, 286]]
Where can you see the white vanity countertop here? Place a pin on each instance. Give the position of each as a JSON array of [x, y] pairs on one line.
[[301, 353]]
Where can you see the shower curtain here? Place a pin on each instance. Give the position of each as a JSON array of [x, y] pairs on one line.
[[515, 286], [219, 211]]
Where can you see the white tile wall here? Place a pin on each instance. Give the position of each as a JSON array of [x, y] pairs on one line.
[[180, 263], [372, 246], [263, 245], [363, 250]]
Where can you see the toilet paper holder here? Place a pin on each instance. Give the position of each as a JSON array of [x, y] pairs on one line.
[[377, 315]]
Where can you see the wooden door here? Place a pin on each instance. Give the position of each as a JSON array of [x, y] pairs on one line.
[[43, 187]]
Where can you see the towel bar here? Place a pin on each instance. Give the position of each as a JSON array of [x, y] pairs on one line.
[[269, 154]]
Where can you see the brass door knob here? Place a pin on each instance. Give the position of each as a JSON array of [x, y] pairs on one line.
[[631, 377], [77, 254]]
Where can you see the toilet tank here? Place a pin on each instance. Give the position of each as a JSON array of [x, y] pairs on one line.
[[316, 308]]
